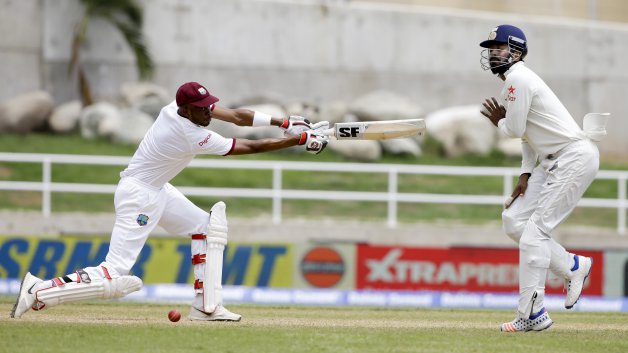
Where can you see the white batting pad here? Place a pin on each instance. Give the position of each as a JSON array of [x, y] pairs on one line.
[[199, 250], [216, 241], [96, 289]]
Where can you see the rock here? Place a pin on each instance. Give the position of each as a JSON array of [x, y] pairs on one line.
[[145, 96], [333, 111], [134, 124], [306, 110], [360, 150], [26, 112], [65, 117], [384, 105], [406, 146], [266, 98], [151, 105], [349, 118], [462, 130], [135, 92], [99, 119]]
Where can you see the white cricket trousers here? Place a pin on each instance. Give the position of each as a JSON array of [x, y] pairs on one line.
[[139, 209], [554, 189]]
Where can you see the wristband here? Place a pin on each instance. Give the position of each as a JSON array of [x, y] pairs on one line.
[[285, 124], [303, 138], [261, 119]]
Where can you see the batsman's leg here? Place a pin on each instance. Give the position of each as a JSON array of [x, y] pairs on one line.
[[210, 268], [26, 296], [138, 209], [209, 236], [101, 282]]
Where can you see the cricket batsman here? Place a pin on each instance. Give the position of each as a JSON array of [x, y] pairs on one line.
[[144, 199], [546, 193]]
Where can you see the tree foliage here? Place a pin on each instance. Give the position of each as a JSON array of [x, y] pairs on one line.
[[127, 17]]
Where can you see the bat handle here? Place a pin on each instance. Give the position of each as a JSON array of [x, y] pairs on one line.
[[329, 132]]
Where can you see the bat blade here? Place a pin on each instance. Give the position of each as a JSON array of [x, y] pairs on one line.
[[377, 130]]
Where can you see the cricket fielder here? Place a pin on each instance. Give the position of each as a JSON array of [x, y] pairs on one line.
[[144, 199], [546, 193]]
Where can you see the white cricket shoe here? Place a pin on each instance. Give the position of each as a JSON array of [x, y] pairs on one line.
[[25, 299], [537, 322], [220, 314], [579, 274]]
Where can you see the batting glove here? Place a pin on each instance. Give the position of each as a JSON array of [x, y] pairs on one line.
[[294, 125], [314, 143], [320, 126]]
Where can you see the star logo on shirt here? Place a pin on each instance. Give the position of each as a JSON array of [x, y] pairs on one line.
[[511, 94]]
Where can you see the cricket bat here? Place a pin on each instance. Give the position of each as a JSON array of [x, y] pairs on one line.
[[377, 130]]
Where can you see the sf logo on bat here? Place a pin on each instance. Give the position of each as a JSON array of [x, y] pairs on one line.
[[352, 131]]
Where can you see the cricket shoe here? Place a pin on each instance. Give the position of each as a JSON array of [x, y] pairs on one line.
[[579, 273], [220, 314], [537, 322], [26, 298]]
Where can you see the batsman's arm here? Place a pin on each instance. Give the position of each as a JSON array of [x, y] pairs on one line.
[[245, 117], [245, 146], [313, 142]]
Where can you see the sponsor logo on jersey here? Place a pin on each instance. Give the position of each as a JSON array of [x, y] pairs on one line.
[[142, 219], [511, 94], [205, 140]]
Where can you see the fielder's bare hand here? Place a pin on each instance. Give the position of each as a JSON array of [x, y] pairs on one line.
[[520, 189], [494, 111]]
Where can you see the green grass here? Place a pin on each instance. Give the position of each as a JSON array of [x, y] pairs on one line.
[[74, 144], [133, 327]]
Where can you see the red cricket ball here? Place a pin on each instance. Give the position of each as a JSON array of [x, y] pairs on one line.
[[174, 315]]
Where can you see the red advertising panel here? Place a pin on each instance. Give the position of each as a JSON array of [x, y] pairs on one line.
[[454, 269]]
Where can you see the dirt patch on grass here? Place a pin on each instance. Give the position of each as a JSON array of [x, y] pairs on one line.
[[290, 317]]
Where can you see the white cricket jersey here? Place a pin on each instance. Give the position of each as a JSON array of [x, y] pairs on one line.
[[536, 115], [169, 146]]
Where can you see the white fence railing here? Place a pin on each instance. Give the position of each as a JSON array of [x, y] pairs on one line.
[[278, 193]]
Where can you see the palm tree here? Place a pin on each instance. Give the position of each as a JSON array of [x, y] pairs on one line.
[[125, 15]]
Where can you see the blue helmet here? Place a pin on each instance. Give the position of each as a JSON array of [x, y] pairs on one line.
[[507, 34], [504, 34]]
